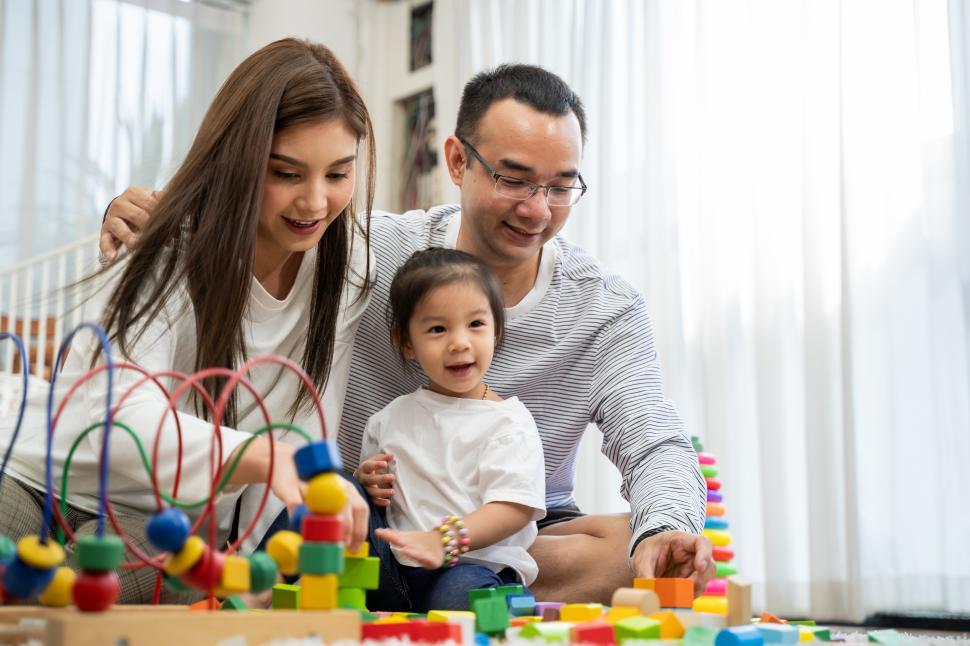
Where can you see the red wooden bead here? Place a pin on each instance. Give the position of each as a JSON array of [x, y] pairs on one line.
[[722, 553], [713, 484], [208, 571], [322, 529], [96, 591]]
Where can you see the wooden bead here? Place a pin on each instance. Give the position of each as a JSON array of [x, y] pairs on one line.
[[168, 529], [96, 591], [24, 582], [325, 494], [296, 517], [184, 560], [58, 593], [41, 555], [284, 548], [262, 572], [322, 529], [8, 549], [321, 558], [207, 572], [316, 458], [99, 554]]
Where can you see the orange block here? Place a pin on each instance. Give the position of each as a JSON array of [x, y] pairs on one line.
[[205, 604], [674, 593], [643, 584], [715, 509], [768, 618]]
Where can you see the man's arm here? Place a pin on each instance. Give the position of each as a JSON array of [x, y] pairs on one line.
[[125, 217], [644, 437]]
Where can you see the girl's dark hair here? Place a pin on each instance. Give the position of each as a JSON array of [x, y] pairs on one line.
[[202, 233], [431, 268]]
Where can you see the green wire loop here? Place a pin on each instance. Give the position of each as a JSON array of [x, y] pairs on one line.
[[61, 538]]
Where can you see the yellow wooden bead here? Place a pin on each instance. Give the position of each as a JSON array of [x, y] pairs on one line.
[[718, 537], [42, 556], [284, 548], [185, 559], [325, 494], [235, 576], [58, 593]]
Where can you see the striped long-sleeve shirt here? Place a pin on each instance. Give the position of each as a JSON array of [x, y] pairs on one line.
[[578, 349]]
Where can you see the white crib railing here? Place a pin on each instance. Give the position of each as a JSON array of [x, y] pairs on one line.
[[35, 305]]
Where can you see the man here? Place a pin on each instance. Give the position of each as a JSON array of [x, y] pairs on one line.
[[578, 347]]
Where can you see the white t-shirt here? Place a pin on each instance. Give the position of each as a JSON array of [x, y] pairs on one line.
[[453, 455], [270, 326]]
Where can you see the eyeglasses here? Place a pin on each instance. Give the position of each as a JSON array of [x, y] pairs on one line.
[[519, 189]]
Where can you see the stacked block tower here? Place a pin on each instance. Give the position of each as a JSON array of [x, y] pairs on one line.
[[716, 530]]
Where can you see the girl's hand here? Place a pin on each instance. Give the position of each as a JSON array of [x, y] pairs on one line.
[[374, 473], [423, 547]]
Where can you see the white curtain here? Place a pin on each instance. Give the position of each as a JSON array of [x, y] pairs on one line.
[[787, 182], [97, 95]]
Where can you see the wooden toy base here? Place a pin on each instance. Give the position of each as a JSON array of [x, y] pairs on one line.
[[165, 625]]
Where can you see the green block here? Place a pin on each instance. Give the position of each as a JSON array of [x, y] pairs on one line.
[[802, 622], [890, 637], [361, 573], [821, 634], [234, 603], [638, 627], [286, 596], [480, 593], [699, 636], [352, 598], [505, 590], [367, 617], [548, 631], [725, 569], [416, 615], [491, 615], [174, 583], [321, 558]]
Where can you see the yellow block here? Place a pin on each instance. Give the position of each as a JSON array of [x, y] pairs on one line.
[[58, 593], [284, 548], [805, 635], [42, 556], [185, 559], [325, 494], [362, 552], [235, 575], [580, 612], [618, 613], [719, 537], [444, 616], [670, 626], [711, 604], [319, 592], [644, 584]]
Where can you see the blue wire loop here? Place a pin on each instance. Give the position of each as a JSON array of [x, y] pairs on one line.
[[23, 399], [103, 466]]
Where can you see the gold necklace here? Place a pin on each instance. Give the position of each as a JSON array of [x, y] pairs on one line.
[[485, 392]]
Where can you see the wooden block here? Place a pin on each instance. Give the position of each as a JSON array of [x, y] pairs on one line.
[[699, 636], [617, 613], [670, 626], [521, 605], [739, 636], [739, 601], [594, 632], [690, 619], [491, 615], [778, 633], [361, 573], [643, 584], [463, 618], [319, 591], [548, 610], [637, 628], [480, 593], [362, 552], [646, 601], [674, 593], [235, 575], [768, 618], [352, 598], [714, 605], [580, 612], [548, 631], [286, 596]]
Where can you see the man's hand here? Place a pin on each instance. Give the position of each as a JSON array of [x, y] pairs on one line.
[[423, 547], [126, 218], [675, 554], [374, 473]]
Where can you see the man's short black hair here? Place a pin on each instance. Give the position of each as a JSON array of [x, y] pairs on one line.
[[529, 84]]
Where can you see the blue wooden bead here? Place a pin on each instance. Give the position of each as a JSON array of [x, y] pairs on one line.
[[714, 522], [168, 529], [316, 458], [296, 518], [25, 582]]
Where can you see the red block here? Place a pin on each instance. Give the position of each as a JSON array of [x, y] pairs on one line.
[[385, 631], [595, 632], [322, 529], [435, 631]]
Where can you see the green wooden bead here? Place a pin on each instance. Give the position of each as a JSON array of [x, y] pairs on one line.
[[99, 554], [8, 549], [321, 558], [709, 470], [262, 572]]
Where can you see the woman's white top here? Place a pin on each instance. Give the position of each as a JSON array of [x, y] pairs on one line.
[[270, 326]]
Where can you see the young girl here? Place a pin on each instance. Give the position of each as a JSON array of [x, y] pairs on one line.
[[253, 250], [459, 470]]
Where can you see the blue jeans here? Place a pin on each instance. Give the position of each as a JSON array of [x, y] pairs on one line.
[[413, 589]]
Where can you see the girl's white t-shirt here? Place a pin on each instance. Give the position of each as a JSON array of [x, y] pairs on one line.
[[454, 455]]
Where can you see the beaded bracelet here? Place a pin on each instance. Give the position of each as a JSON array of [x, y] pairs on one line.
[[454, 539]]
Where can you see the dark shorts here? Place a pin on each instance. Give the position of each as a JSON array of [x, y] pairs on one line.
[[557, 515]]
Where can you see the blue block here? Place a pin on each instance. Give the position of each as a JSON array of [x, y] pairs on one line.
[[168, 529], [715, 523], [778, 633], [481, 639], [521, 605], [739, 636], [25, 582], [316, 458]]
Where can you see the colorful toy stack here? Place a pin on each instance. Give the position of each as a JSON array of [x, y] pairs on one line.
[[716, 529]]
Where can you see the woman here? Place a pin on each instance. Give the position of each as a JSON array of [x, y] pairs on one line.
[[253, 249]]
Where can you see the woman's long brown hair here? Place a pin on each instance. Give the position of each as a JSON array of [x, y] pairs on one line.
[[202, 233]]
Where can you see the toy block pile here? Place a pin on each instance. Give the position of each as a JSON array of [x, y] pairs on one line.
[[716, 530]]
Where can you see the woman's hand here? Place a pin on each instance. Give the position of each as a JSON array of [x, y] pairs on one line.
[[374, 473], [423, 547], [356, 515], [126, 217]]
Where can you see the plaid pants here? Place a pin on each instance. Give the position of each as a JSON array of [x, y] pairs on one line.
[[21, 513]]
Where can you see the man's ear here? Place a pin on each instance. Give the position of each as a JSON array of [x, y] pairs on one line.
[[456, 159]]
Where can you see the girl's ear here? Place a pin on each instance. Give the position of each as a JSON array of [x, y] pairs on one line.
[[403, 346]]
